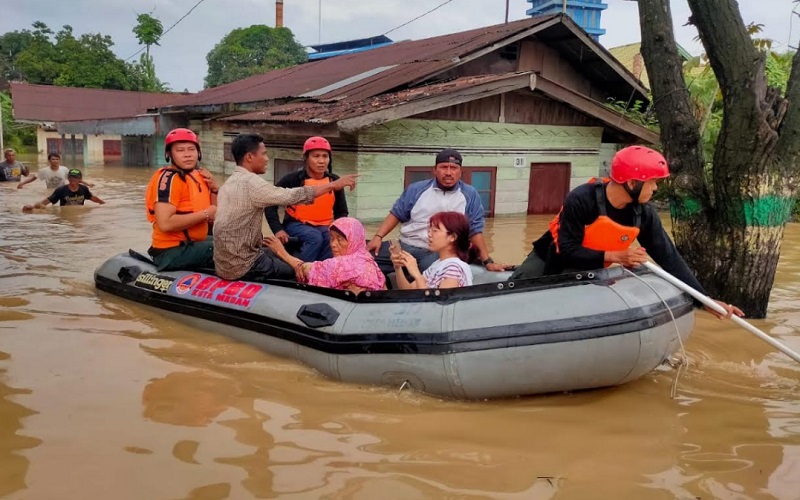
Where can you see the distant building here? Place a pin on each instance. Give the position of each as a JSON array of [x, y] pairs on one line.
[[92, 126], [327, 50], [630, 56], [586, 13]]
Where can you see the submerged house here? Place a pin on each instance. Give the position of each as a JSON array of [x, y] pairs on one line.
[[91, 126], [524, 102]]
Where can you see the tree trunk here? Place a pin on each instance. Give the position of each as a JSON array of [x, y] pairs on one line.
[[730, 233]]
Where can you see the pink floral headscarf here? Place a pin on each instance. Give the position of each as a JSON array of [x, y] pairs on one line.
[[357, 267]]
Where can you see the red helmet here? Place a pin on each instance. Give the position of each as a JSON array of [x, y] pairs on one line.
[[180, 135], [638, 163], [316, 143]]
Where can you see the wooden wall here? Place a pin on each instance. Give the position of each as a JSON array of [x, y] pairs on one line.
[[519, 107]]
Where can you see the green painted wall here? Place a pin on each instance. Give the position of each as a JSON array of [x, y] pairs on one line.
[[481, 144], [384, 151]]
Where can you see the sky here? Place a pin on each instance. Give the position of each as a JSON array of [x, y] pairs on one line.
[[181, 58]]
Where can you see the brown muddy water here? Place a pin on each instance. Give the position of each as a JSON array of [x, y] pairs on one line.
[[102, 398]]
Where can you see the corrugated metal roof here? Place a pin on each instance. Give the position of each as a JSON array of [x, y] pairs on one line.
[[48, 103], [330, 112], [411, 60]]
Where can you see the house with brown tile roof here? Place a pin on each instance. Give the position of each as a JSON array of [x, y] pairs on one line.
[[524, 102]]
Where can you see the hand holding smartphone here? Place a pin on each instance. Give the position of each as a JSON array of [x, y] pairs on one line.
[[394, 247]]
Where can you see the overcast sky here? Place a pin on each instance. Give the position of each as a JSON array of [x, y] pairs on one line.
[[181, 58]]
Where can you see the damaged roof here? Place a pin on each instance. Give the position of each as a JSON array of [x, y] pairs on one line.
[[405, 64], [334, 111]]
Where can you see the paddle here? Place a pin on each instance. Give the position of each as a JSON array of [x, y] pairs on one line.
[[709, 302]]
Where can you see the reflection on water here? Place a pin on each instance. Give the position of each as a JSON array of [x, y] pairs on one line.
[[101, 398]]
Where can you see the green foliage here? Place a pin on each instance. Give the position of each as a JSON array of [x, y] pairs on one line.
[[17, 136], [148, 30], [143, 76], [705, 92], [250, 51], [635, 112], [43, 57], [11, 44]]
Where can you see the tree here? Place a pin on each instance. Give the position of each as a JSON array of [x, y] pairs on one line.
[[18, 136], [250, 51], [729, 220], [11, 44], [62, 59], [148, 31]]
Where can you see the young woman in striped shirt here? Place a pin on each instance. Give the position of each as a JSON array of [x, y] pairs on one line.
[[448, 235]]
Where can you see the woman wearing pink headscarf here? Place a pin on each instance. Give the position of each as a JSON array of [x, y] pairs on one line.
[[351, 267]]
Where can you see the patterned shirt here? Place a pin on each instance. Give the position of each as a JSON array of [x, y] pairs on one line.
[[237, 227], [53, 178], [65, 196], [452, 267]]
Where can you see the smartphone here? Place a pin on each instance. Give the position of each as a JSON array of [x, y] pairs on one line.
[[394, 247]]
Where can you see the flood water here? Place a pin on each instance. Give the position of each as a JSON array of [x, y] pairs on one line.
[[102, 398]]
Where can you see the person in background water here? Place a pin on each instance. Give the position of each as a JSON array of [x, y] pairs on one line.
[[445, 192], [54, 176], [448, 238], [239, 253], [350, 267], [309, 223], [10, 169], [181, 202], [74, 193], [600, 220]]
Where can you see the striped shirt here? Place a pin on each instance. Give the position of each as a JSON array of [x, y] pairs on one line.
[[237, 227], [452, 267]]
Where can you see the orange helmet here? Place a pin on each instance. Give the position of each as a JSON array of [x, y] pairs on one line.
[[180, 135], [316, 143], [638, 163]]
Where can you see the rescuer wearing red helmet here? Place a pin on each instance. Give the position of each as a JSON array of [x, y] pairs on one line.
[[599, 221], [181, 201], [310, 223]]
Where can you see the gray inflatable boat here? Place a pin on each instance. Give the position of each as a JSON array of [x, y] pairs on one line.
[[493, 339]]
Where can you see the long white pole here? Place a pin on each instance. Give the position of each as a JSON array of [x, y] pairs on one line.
[[709, 302]]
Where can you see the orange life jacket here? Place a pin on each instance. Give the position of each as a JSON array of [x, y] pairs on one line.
[[603, 234], [189, 193], [318, 213]]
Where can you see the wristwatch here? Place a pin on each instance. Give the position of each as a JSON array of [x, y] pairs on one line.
[[487, 262]]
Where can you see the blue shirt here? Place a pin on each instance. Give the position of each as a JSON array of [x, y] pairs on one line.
[[422, 199]]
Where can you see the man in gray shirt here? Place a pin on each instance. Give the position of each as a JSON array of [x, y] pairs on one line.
[[11, 169]]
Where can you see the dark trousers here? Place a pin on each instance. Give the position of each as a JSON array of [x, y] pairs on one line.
[[531, 267], [268, 266], [315, 241]]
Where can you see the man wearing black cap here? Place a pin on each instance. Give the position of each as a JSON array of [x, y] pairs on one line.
[[444, 193], [73, 193]]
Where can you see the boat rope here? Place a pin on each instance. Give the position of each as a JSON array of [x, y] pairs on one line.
[[403, 386], [682, 362]]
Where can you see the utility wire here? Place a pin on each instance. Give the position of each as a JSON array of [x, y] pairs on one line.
[[418, 17], [168, 29]]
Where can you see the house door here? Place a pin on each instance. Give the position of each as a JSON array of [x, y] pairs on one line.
[[549, 185]]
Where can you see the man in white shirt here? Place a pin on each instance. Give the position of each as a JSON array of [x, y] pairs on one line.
[[54, 176]]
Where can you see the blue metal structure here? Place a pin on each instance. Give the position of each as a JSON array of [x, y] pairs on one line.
[[327, 50], [585, 13]]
